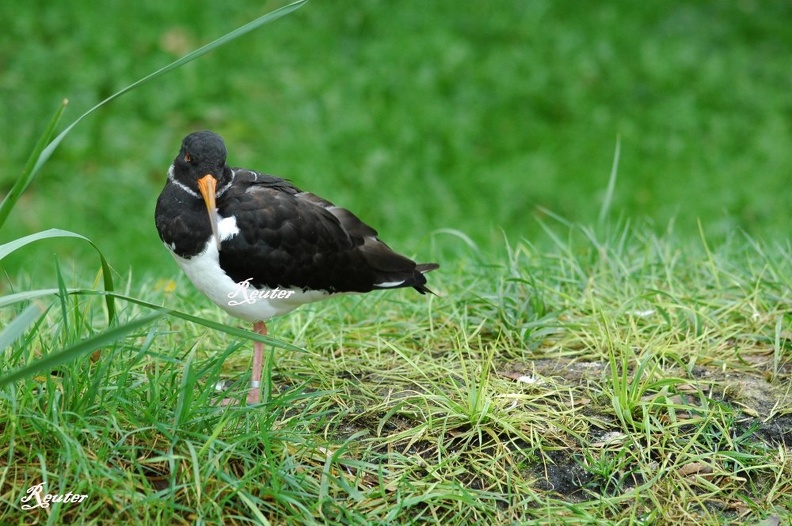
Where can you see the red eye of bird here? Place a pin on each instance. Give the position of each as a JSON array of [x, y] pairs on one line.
[[187, 158]]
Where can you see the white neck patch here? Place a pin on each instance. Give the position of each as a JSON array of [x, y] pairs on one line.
[[181, 185]]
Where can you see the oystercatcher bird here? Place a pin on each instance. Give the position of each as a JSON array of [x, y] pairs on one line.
[[259, 247]]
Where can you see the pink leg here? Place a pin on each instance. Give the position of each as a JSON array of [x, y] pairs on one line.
[[258, 362]]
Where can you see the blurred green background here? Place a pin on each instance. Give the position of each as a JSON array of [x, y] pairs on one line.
[[417, 115]]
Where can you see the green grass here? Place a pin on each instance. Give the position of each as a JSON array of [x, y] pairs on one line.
[[632, 372], [621, 377]]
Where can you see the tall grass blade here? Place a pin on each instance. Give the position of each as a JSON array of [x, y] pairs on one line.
[[63, 294], [19, 297], [107, 276], [232, 331], [28, 173], [19, 325], [608, 199]]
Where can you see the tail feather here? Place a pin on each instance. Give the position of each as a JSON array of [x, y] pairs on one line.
[[420, 280]]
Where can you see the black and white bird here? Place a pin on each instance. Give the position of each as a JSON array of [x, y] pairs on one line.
[[259, 247]]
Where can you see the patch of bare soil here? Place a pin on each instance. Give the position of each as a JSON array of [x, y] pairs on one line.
[[762, 410]]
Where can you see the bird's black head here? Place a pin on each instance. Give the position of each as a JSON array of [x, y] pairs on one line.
[[200, 169], [202, 153]]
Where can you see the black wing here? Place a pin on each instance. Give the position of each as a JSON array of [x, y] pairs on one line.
[[290, 238]]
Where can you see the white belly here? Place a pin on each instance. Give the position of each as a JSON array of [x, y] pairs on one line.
[[241, 299]]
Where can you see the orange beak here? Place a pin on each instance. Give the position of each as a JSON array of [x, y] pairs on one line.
[[208, 187]]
